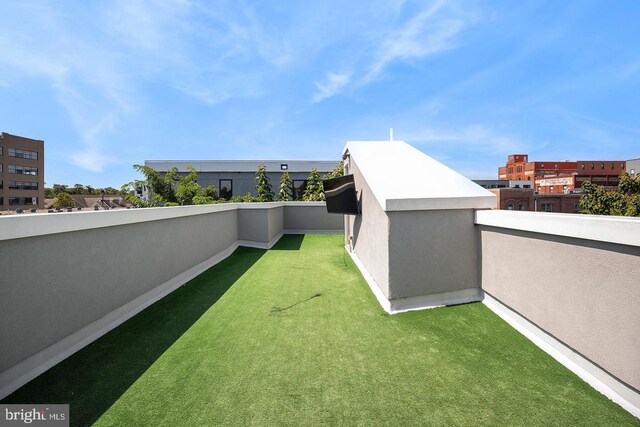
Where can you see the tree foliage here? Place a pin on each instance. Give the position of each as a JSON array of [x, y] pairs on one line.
[[314, 192], [63, 200], [170, 189], [624, 201], [337, 172], [263, 187], [285, 189]]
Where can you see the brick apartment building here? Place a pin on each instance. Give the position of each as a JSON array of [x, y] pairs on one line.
[[21, 172], [552, 177]]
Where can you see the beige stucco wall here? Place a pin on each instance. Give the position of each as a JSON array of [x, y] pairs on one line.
[[370, 232], [311, 216], [54, 285], [260, 225], [584, 293], [432, 252]]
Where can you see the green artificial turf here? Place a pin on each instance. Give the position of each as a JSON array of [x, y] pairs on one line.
[[293, 336]]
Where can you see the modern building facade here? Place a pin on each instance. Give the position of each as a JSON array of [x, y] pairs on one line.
[[21, 172], [501, 183], [561, 176], [237, 177], [526, 199]]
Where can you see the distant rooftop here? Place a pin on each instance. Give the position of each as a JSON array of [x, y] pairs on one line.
[[243, 165]]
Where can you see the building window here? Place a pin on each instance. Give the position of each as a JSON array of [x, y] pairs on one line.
[[23, 185], [547, 207], [582, 166], [509, 206], [542, 166], [612, 166], [0, 155], [555, 166], [1, 201], [0, 187], [17, 201], [519, 168], [299, 185], [0, 167], [601, 165], [226, 188], [284, 167], [592, 166], [632, 172], [521, 207], [23, 170], [551, 189], [23, 154]]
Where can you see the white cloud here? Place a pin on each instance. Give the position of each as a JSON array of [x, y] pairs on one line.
[[476, 137], [431, 31], [423, 35], [333, 83]]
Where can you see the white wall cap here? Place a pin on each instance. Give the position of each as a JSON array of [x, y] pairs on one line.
[[31, 225], [242, 165], [602, 228], [403, 178]]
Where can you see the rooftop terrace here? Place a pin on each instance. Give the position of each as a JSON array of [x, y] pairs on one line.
[[294, 336]]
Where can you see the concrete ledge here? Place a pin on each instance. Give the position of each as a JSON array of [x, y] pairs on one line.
[[314, 231], [422, 302], [20, 374], [261, 245], [595, 376], [21, 226], [612, 229]]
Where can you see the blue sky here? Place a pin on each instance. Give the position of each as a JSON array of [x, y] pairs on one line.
[[111, 83]]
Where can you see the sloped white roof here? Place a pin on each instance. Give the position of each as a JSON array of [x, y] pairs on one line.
[[403, 178]]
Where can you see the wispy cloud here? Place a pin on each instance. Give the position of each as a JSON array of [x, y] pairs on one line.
[[333, 83], [475, 137], [424, 34]]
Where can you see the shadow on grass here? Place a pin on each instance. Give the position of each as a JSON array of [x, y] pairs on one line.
[[289, 242], [94, 378]]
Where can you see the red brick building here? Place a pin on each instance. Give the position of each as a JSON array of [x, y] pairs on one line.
[[552, 177]]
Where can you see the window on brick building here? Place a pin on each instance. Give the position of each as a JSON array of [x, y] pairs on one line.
[[592, 166], [521, 206], [547, 207], [509, 206], [601, 165]]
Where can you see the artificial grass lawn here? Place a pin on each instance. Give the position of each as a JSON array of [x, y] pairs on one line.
[[293, 336]]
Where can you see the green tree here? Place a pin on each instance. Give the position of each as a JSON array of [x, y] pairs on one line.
[[314, 191], [78, 189], [624, 201], [64, 200], [188, 187], [59, 188], [161, 187], [337, 172], [263, 187], [285, 190]]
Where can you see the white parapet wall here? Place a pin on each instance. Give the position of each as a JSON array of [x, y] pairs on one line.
[[69, 278], [570, 283]]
